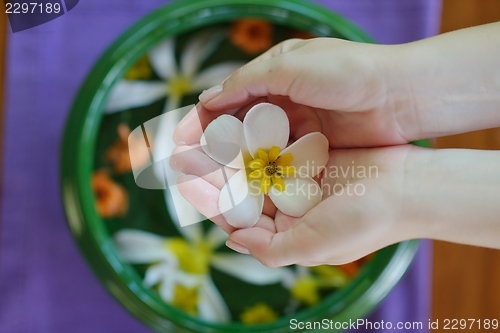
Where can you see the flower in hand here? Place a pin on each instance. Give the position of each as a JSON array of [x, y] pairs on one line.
[[265, 165]]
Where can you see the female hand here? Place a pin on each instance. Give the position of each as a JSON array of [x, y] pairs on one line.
[[363, 208], [332, 86]]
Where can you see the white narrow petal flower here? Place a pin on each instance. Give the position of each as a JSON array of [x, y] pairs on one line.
[[248, 269], [166, 287], [266, 125], [214, 75], [137, 246], [173, 103], [158, 273], [198, 49], [162, 59], [223, 140], [212, 306], [301, 194], [310, 154], [193, 233], [216, 237], [239, 203], [128, 94], [160, 132]]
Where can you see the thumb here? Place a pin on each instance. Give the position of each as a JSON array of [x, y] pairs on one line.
[[269, 74], [276, 249]]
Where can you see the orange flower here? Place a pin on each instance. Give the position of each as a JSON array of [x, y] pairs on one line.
[[252, 35], [301, 35], [352, 268], [118, 154], [111, 199]]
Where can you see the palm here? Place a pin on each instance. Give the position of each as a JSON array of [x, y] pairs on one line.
[[372, 209], [344, 190], [370, 128]]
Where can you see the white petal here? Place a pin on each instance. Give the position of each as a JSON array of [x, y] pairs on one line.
[[160, 132], [310, 154], [173, 102], [193, 233], [216, 237], [212, 306], [137, 246], [167, 287], [248, 269], [162, 58], [241, 204], [198, 49], [128, 94], [156, 273], [300, 195], [266, 125], [224, 141], [214, 75]]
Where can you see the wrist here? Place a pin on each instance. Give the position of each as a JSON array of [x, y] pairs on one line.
[[452, 195], [443, 85]]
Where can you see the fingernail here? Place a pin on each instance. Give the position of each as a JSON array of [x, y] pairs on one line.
[[209, 94], [237, 247]]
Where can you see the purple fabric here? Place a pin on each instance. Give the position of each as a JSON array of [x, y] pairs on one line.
[[45, 284]]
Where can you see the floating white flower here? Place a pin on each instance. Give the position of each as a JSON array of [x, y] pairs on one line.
[[177, 80], [180, 267], [267, 165]]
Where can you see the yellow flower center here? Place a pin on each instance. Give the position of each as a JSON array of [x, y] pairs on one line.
[[141, 70], [270, 167], [179, 85], [306, 290], [330, 276], [193, 258], [186, 299], [260, 313]]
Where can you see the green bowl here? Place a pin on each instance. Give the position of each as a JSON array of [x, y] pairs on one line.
[[89, 131]]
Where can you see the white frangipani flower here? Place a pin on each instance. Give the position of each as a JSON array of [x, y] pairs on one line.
[[177, 80], [180, 267], [267, 165]]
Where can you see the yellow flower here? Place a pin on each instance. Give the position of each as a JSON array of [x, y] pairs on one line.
[[259, 313], [193, 258], [186, 299], [330, 276], [306, 290], [261, 142], [141, 70], [269, 167]]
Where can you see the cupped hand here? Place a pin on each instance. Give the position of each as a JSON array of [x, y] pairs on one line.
[[364, 208], [343, 89]]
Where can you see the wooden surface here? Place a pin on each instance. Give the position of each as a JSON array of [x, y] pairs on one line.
[[466, 280]]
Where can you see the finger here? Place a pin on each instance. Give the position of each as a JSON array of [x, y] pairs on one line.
[[277, 249], [191, 127], [193, 161], [204, 197], [268, 75]]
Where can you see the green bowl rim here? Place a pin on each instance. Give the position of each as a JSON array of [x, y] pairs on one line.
[[121, 280]]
